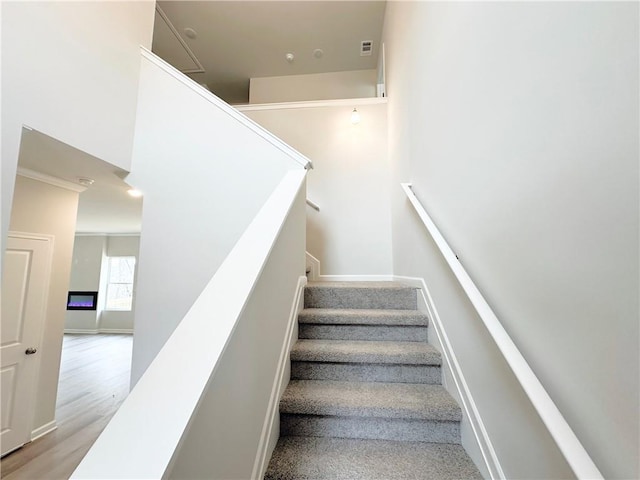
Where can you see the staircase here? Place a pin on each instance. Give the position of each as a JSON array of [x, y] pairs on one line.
[[365, 399]]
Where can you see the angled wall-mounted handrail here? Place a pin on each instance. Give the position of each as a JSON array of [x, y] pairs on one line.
[[313, 205], [570, 446]]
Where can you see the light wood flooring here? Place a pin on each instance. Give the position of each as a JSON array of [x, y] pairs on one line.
[[94, 380]]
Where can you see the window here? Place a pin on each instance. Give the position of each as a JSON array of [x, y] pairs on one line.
[[120, 283]]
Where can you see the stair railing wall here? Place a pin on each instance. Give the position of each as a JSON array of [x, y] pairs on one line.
[[566, 440], [205, 171], [201, 408]]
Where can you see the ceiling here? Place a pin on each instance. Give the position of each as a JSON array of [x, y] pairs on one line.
[[235, 41], [238, 40], [105, 206]]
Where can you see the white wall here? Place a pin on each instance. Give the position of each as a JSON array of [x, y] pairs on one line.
[[42, 208], [88, 273], [70, 70], [517, 124], [204, 174], [232, 411], [316, 86], [351, 234]]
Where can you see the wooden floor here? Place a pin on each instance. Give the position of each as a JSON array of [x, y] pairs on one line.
[[94, 380]]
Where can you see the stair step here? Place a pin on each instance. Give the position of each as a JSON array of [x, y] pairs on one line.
[[347, 351], [364, 361], [359, 324], [360, 295], [354, 459], [337, 316], [386, 411]]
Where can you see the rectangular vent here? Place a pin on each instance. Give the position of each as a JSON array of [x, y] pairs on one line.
[[366, 46]]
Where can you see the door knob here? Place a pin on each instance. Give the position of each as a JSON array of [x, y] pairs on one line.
[[30, 351]]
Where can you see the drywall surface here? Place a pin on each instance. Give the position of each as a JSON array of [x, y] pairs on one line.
[[45, 209], [70, 70], [232, 411], [89, 273], [204, 175], [316, 86], [114, 320], [351, 234], [517, 124], [86, 270]]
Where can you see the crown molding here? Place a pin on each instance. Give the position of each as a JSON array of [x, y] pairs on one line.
[[51, 180]]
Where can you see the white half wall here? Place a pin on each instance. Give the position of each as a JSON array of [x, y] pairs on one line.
[[234, 409], [315, 86], [41, 208], [517, 124], [204, 174], [70, 70], [351, 234]]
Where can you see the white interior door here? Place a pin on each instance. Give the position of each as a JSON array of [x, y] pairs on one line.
[[25, 282]]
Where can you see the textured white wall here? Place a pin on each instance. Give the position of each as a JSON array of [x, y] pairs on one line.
[[351, 235], [42, 208], [70, 70], [316, 86], [518, 125], [204, 176]]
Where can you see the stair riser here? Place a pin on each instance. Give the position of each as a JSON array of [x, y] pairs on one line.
[[358, 298], [370, 428], [366, 372], [362, 332]]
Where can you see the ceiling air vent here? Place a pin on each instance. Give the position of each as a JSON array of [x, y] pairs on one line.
[[365, 48]]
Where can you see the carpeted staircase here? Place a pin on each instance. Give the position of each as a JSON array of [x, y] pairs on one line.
[[365, 399]]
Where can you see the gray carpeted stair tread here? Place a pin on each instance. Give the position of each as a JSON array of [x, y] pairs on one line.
[[339, 316], [345, 351], [363, 399], [360, 295], [307, 458]]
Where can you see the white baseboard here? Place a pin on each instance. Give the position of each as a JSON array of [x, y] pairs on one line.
[[128, 331], [43, 430], [470, 411], [355, 278], [313, 264], [271, 427]]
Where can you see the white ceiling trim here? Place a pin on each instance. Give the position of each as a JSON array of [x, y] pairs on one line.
[[192, 55], [55, 181], [344, 102]]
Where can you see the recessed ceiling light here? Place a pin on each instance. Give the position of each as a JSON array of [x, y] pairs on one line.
[[190, 32], [134, 193], [289, 57], [318, 53], [87, 182]]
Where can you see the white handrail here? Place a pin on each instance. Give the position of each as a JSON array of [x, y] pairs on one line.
[[573, 451], [313, 205]]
